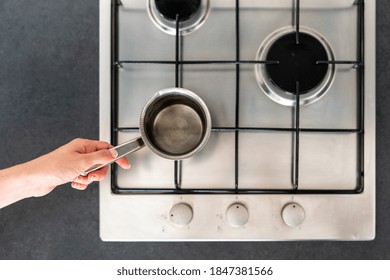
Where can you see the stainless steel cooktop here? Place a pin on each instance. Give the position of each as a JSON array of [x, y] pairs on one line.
[[290, 86]]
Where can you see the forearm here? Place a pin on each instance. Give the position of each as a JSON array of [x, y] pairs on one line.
[[15, 184], [30, 179]]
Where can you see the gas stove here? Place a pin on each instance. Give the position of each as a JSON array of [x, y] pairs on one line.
[[290, 86]]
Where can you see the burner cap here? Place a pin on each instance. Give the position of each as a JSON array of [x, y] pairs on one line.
[[297, 62], [192, 14], [184, 8]]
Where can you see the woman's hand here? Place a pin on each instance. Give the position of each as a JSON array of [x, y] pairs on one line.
[[65, 164]]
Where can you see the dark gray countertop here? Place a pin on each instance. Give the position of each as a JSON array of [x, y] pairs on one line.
[[49, 95]]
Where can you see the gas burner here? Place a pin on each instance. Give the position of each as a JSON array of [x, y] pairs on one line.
[[298, 62], [191, 13], [170, 8]]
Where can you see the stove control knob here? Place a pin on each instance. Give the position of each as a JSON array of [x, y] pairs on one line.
[[237, 215], [181, 214], [293, 214]]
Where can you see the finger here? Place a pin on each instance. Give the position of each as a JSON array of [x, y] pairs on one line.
[[99, 157], [98, 175], [97, 146], [82, 180], [89, 146], [78, 186], [124, 163]]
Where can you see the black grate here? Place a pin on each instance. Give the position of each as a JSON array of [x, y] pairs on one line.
[[295, 130]]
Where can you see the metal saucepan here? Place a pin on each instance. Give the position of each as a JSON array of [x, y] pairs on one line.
[[175, 124]]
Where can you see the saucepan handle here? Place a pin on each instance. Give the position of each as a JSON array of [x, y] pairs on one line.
[[123, 150]]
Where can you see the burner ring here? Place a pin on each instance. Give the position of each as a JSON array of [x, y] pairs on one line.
[[282, 96], [186, 26]]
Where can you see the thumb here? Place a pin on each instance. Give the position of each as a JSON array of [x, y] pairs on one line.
[[101, 157]]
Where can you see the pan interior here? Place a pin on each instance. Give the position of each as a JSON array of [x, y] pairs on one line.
[[176, 127]]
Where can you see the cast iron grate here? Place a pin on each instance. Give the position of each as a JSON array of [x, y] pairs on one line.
[[296, 130]]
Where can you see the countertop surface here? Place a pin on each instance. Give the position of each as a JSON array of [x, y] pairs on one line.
[[49, 96]]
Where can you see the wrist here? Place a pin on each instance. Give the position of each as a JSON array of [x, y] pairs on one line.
[[14, 185], [38, 177], [26, 180]]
